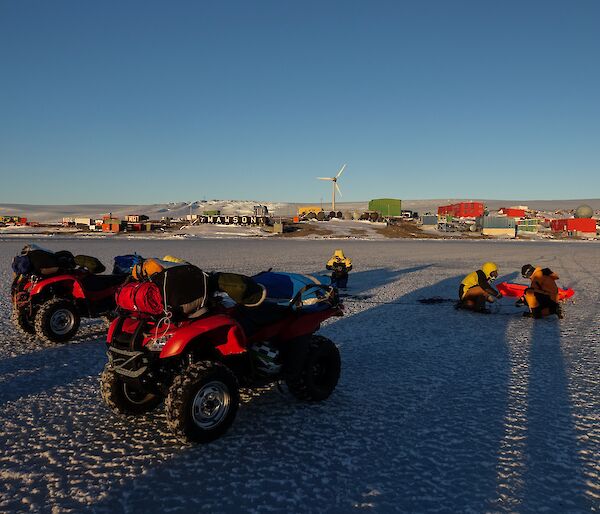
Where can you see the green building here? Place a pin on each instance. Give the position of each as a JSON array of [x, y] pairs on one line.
[[386, 206], [528, 225]]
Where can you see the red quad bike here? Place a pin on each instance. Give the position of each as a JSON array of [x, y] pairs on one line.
[[52, 307], [198, 365]]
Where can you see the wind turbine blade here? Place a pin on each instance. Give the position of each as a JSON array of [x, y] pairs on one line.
[[338, 188], [324, 178], [341, 171]]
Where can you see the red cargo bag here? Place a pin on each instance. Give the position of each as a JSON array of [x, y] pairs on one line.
[[141, 297]]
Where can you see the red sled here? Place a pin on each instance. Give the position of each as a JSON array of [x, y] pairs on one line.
[[518, 290]]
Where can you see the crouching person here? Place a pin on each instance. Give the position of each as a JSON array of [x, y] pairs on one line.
[[542, 296], [476, 290], [340, 266]]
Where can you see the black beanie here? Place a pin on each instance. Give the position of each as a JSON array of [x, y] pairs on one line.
[[527, 270]]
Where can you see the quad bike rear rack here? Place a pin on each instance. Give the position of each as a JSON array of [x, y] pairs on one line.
[[125, 354], [127, 363]]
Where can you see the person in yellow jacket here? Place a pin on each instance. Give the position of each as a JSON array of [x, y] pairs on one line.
[[476, 290], [542, 296], [339, 265]]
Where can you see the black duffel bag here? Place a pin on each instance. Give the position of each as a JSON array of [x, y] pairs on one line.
[[65, 259], [43, 262], [184, 289]]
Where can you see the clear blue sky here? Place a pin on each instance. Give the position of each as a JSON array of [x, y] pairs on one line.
[[147, 101]]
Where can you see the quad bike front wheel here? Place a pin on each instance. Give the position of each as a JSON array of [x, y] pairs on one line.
[[202, 402], [319, 373], [124, 398], [57, 321], [22, 321]]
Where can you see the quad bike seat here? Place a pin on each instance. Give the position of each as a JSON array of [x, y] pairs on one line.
[[252, 319], [100, 282]]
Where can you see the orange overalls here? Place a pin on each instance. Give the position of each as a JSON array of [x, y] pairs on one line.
[[542, 296]]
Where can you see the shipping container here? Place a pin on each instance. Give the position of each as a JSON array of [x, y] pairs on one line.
[[429, 220], [386, 206], [496, 222], [111, 227]]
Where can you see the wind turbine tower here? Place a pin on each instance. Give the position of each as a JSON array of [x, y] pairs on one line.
[[334, 185]]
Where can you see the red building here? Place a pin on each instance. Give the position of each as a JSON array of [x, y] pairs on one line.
[[512, 212], [112, 224], [111, 227], [462, 210], [575, 225]]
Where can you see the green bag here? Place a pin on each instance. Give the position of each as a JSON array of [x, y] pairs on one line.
[[241, 289], [92, 264]]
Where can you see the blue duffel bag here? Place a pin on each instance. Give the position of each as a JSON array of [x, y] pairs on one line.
[[125, 263], [306, 292]]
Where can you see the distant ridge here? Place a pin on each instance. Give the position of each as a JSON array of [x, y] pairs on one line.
[[55, 213]]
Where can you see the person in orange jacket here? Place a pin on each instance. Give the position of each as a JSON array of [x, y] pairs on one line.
[[542, 296]]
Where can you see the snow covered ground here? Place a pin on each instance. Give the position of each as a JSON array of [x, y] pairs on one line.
[[436, 411]]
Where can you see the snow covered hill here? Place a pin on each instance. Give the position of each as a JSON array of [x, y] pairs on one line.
[[55, 213]]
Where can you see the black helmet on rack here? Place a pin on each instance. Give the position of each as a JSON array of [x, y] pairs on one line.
[[527, 270]]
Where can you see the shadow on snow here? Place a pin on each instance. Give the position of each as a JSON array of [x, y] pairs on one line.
[[415, 423]]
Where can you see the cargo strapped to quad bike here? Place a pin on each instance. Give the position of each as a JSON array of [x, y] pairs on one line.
[[35, 260], [296, 291]]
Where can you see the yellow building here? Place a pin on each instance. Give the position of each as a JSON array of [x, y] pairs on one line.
[[305, 209]]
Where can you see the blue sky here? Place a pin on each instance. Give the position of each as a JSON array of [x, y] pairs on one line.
[[146, 101]]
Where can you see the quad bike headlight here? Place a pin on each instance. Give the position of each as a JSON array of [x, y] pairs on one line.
[[157, 344]]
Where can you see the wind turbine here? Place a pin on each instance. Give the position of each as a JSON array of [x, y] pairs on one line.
[[334, 184]]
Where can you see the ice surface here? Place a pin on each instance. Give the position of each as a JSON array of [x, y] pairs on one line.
[[437, 410]]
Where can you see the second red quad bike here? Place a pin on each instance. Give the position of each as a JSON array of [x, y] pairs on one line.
[[50, 301], [197, 365]]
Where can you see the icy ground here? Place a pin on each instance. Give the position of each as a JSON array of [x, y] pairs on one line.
[[436, 411]]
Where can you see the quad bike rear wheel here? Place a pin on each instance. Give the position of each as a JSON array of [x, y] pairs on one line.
[[319, 373], [22, 321], [202, 402], [57, 321], [124, 398]]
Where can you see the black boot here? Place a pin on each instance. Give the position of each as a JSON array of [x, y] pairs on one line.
[[558, 311]]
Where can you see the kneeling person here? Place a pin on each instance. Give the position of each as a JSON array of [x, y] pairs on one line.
[[476, 290], [542, 296]]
